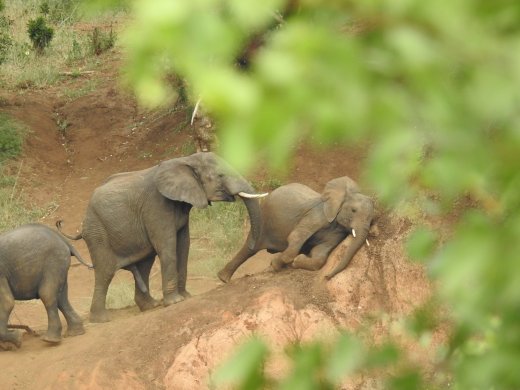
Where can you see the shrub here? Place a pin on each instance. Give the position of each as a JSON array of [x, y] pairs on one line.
[[76, 52], [100, 41], [39, 33]]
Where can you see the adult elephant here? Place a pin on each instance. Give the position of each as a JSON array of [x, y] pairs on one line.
[[135, 216], [305, 226]]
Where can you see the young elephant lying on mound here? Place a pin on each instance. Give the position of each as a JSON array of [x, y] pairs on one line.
[[34, 262], [306, 226]]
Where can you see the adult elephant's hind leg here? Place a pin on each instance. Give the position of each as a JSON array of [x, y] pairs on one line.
[[6, 306], [74, 323], [144, 300], [98, 311]]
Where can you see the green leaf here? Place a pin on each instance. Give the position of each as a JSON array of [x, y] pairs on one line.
[[245, 367], [347, 355], [421, 244]]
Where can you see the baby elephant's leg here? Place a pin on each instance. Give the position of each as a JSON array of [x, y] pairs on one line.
[[48, 292], [6, 306], [74, 322], [316, 260]]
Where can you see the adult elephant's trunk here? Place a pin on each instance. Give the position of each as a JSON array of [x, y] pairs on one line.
[[358, 238], [239, 186], [253, 208]]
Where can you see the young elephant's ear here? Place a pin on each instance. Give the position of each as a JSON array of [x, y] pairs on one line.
[[333, 196], [178, 181]]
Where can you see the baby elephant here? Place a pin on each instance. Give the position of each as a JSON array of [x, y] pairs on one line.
[[305, 226], [34, 261]]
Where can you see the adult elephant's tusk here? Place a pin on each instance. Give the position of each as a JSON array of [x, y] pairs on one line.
[[354, 233], [252, 196], [368, 244]]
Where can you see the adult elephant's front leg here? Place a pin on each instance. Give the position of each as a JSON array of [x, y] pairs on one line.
[[167, 252], [183, 249]]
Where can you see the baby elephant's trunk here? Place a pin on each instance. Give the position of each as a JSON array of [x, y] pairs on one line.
[[358, 238]]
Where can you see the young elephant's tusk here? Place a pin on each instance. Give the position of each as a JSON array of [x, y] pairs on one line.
[[252, 196], [354, 233], [368, 244]]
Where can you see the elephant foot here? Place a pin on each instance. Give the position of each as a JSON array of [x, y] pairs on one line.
[[279, 263], [172, 299], [147, 303], [75, 330], [224, 275], [185, 294], [99, 316], [304, 262], [11, 341], [51, 338]]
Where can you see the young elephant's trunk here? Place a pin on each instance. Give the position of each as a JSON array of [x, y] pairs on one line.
[[355, 244]]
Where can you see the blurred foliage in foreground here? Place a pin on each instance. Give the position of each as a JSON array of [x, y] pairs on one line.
[[433, 84]]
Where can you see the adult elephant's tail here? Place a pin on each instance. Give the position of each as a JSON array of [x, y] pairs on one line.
[[79, 236]]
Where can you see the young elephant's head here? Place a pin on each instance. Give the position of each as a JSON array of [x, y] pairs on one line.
[[343, 202], [202, 178]]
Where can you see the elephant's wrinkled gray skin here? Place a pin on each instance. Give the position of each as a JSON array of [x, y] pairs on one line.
[[306, 226], [135, 216], [34, 261]]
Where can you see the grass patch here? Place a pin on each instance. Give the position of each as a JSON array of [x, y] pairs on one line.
[[268, 184], [89, 87], [13, 210], [120, 293], [217, 233], [11, 137]]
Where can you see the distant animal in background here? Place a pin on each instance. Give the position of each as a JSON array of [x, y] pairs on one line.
[[34, 263], [203, 129], [304, 226]]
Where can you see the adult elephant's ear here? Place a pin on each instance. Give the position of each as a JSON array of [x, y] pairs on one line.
[[178, 181]]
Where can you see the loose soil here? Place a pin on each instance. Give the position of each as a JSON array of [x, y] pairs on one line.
[[73, 145]]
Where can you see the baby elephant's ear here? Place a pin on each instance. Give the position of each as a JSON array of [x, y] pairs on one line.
[[333, 196], [178, 181]]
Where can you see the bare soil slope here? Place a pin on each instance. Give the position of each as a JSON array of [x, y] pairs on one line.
[[85, 129]]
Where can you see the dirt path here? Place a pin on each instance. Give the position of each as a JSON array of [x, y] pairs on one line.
[[76, 141]]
